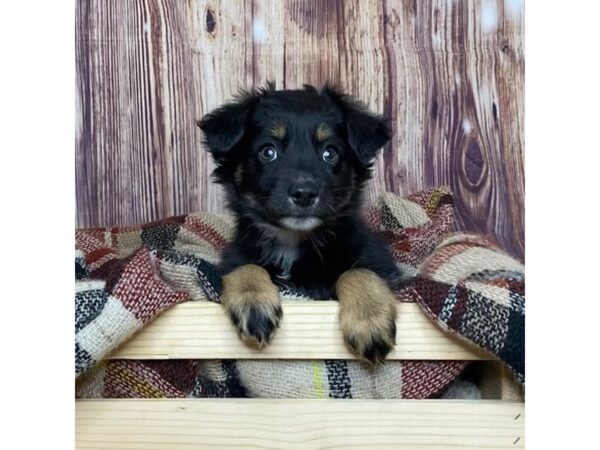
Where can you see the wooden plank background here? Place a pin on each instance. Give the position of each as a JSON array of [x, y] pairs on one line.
[[449, 73]]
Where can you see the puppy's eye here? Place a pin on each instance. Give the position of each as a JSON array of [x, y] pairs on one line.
[[267, 153], [330, 156]]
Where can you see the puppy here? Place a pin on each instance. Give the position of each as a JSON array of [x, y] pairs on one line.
[[293, 164]]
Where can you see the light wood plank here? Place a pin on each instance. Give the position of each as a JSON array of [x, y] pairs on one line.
[[199, 330], [298, 424]]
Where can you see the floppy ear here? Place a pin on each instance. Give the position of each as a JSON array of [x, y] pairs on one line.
[[224, 127], [367, 132]]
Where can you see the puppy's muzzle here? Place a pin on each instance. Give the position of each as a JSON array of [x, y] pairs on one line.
[[303, 192]]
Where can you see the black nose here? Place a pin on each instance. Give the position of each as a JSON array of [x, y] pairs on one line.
[[304, 193]]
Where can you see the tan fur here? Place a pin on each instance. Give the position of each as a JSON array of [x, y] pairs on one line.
[[367, 313], [278, 130], [323, 132], [246, 288]]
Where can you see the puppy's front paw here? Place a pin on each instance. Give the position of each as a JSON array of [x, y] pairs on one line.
[[252, 302], [370, 339], [367, 314]]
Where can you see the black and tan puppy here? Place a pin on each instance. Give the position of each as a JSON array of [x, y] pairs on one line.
[[293, 164]]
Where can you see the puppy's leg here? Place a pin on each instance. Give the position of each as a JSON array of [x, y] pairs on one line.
[[252, 302], [367, 314]]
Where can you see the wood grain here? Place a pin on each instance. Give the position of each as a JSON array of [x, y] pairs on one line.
[[298, 424], [449, 74], [309, 330]]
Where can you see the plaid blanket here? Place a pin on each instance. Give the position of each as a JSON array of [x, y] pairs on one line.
[[127, 276]]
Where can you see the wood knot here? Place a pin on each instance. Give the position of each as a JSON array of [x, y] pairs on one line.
[[505, 48], [210, 21], [474, 163], [434, 109]]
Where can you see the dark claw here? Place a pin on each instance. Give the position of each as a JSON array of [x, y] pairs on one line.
[[259, 324], [377, 348], [376, 351]]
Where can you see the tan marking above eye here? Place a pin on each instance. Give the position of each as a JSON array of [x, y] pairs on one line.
[[323, 132], [278, 130]]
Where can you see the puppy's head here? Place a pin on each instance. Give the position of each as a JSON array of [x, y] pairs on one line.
[[294, 159]]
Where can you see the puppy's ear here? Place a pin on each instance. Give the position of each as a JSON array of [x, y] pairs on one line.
[[224, 127], [367, 132]]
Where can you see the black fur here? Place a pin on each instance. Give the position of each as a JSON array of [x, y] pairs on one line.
[[264, 193]]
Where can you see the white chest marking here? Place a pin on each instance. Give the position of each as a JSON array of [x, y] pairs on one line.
[[283, 257]]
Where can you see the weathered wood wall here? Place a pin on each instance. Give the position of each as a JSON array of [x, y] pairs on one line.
[[448, 72]]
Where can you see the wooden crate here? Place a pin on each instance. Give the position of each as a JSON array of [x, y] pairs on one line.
[[309, 331]]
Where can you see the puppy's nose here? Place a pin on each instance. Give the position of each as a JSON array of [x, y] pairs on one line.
[[304, 193]]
